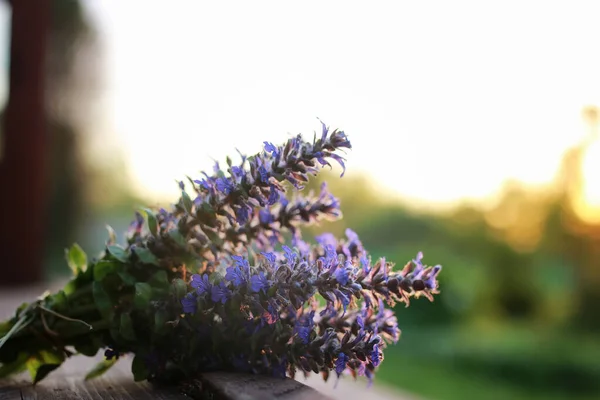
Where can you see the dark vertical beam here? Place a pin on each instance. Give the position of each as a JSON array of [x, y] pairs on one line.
[[22, 167]]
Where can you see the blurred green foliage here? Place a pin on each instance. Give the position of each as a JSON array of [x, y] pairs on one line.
[[513, 320], [82, 197]]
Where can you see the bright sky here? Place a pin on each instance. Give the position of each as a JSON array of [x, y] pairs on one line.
[[441, 100]]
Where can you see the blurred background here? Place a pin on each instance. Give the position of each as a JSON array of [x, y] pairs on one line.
[[475, 134]]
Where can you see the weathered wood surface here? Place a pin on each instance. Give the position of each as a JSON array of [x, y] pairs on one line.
[[68, 383], [72, 388], [251, 387]]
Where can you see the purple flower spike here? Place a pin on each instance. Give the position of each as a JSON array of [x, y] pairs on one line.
[[189, 303], [236, 276], [271, 257], [375, 355], [290, 256], [340, 364], [274, 309], [220, 293], [259, 282], [270, 148], [201, 284], [224, 185]]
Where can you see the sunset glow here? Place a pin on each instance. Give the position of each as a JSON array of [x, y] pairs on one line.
[[589, 208], [437, 115]]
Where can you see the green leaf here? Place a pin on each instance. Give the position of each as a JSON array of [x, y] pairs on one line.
[[52, 357], [127, 278], [14, 367], [159, 280], [76, 258], [43, 370], [207, 208], [179, 288], [139, 369], [59, 300], [191, 181], [116, 337], [146, 256], [87, 349], [214, 237], [177, 237], [43, 363], [160, 321], [86, 276], [126, 327], [5, 327], [143, 294], [100, 368], [102, 300], [88, 345], [187, 201], [117, 252], [23, 320], [103, 268], [70, 287], [152, 221], [272, 290]]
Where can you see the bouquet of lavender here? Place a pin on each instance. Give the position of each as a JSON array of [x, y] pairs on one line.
[[209, 285]]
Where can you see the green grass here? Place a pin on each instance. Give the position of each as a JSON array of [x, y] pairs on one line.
[[441, 380], [511, 364]]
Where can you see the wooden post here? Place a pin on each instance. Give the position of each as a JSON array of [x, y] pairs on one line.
[[22, 177]]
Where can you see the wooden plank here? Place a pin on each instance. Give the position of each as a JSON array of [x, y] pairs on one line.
[[227, 386], [254, 387], [117, 384], [99, 389], [9, 391]]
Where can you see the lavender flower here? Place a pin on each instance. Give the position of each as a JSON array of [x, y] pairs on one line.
[[236, 276], [350, 336], [259, 282], [212, 283], [220, 293], [201, 284], [189, 303], [340, 363], [304, 327]]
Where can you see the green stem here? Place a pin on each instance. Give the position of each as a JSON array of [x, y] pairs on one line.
[[16, 329], [71, 333], [66, 318], [66, 325]]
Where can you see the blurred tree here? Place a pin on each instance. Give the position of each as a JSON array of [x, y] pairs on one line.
[[80, 187], [577, 239], [70, 40]]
